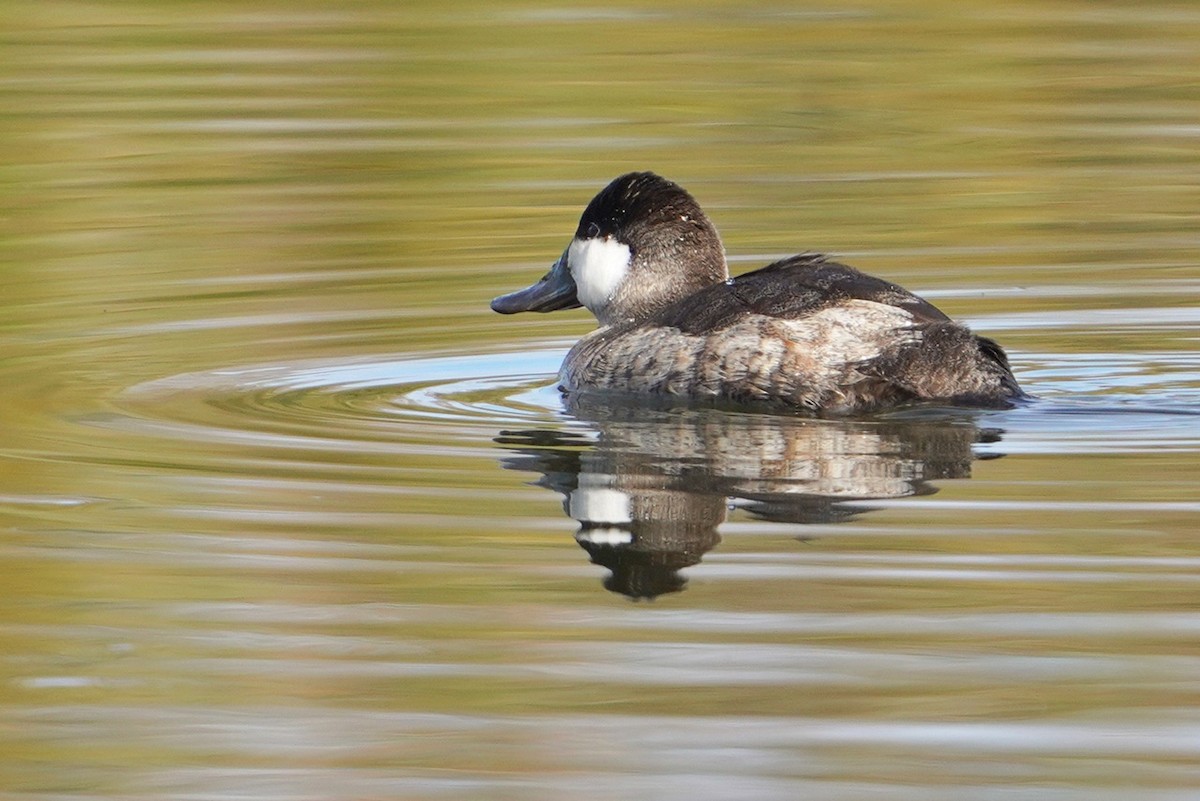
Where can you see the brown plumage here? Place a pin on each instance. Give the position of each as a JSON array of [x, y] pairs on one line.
[[804, 332]]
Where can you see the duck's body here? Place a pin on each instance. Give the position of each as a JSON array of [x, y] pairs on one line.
[[803, 332]]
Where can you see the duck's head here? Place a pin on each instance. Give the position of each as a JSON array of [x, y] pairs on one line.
[[641, 244]]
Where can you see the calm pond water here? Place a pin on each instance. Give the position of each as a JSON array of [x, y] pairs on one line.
[[287, 513]]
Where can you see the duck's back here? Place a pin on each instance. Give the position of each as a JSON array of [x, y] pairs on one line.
[[802, 332]]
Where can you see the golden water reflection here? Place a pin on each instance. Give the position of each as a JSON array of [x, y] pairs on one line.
[[254, 537]]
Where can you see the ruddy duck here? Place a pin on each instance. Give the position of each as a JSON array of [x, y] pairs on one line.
[[803, 332]]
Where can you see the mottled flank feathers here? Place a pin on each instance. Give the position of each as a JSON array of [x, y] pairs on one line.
[[803, 332]]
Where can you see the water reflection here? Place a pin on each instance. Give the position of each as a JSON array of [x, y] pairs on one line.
[[651, 488]]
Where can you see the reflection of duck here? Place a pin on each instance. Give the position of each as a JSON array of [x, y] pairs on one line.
[[651, 490], [803, 332]]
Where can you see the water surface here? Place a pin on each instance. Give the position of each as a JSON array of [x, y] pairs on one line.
[[287, 513]]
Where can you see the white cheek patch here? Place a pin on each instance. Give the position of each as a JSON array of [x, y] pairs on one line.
[[599, 505], [598, 267], [605, 536]]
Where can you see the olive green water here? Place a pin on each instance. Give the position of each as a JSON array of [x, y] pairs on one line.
[[287, 513]]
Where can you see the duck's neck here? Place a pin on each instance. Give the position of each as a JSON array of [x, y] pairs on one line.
[[663, 281]]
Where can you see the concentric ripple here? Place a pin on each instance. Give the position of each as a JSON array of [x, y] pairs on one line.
[[1098, 402], [356, 403]]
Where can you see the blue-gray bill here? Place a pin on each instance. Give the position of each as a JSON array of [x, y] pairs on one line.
[[555, 290]]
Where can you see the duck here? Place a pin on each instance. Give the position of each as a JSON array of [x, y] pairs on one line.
[[803, 333]]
